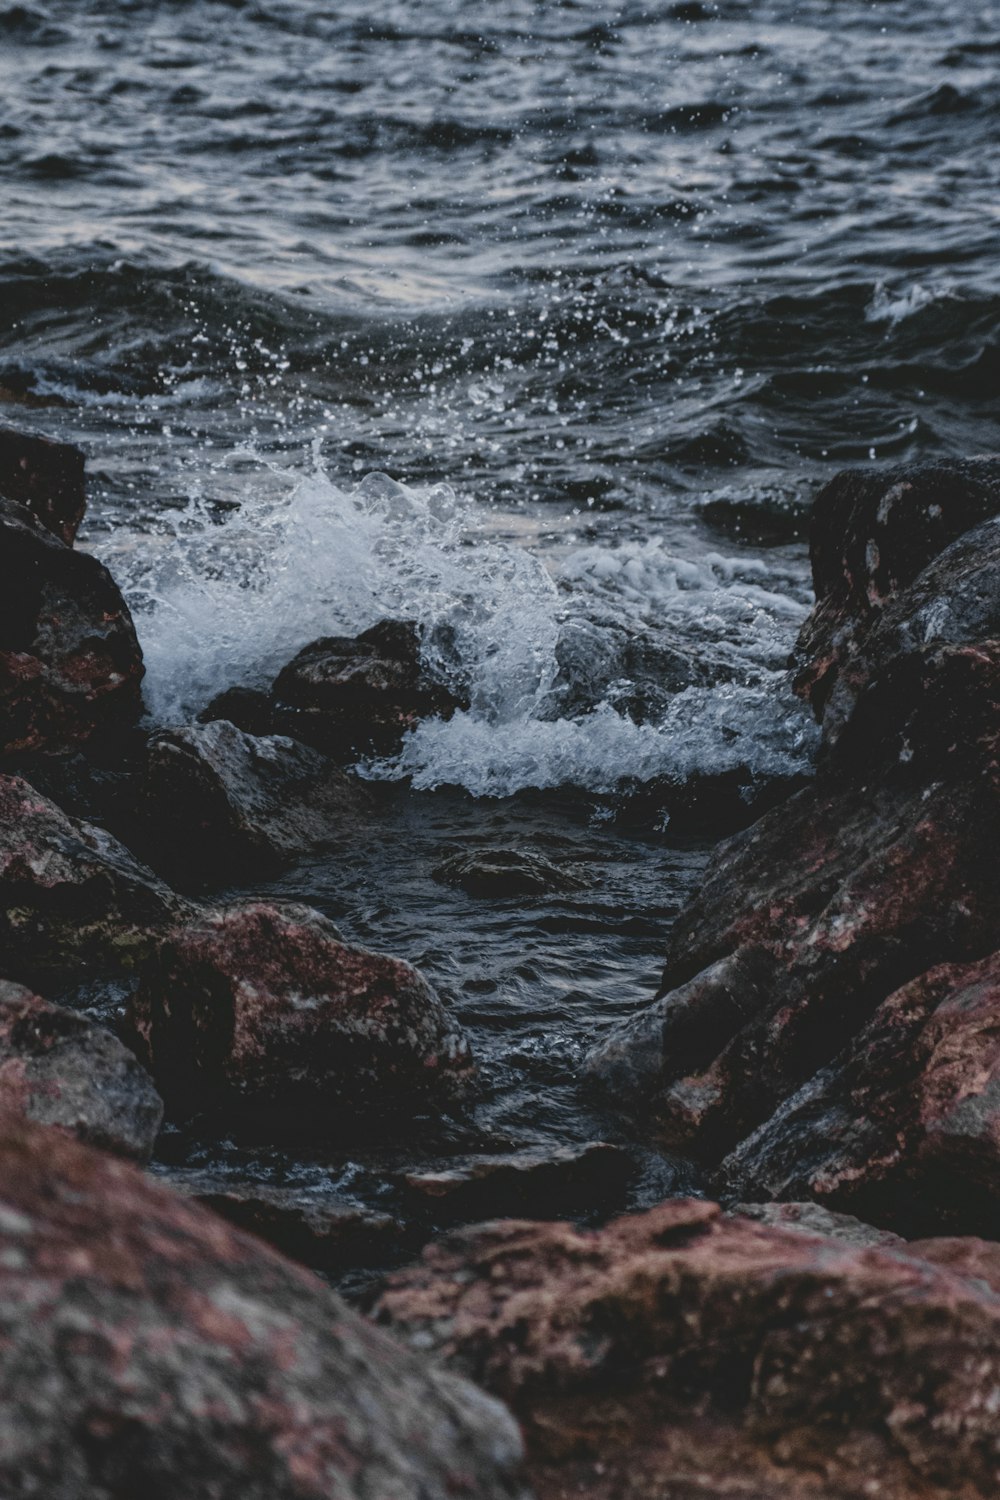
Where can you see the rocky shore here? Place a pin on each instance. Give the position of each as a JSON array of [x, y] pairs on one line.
[[825, 1046]]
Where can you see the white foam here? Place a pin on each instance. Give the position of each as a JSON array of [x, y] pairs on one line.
[[893, 306], [221, 604]]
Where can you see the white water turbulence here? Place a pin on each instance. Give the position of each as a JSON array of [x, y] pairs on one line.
[[542, 653]]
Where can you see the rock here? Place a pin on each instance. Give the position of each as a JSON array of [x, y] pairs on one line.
[[811, 1218], [904, 1126], [213, 794], [359, 695], [148, 1348], [71, 897], [70, 663], [871, 533], [261, 1009], [680, 1353], [45, 476], [500, 873], [59, 1069], [247, 708], [319, 1229], [567, 1180]]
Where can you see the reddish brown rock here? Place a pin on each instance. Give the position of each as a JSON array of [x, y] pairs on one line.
[[71, 897], [45, 476], [146, 1348], [70, 663], [356, 695], [903, 1127], [263, 1009], [679, 1354], [872, 531], [59, 1069], [214, 796]]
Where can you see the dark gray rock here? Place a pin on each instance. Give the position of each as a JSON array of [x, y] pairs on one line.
[[560, 1181], [46, 477], [502, 873]]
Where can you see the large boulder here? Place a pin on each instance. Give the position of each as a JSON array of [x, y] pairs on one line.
[[146, 1348], [213, 795], [46, 477], [903, 1127], [62, 1070], [358, 695], [680, 1353], [262, 1010], [71, 897], [808, 921], [70, 662]]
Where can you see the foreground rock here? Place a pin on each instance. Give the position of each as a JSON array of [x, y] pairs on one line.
[[147, 1348], [214, 796], [70, 663], [678, 1353], [810, 920], [359, 695], [46, 477], [71, 897], [261, 1010], [59, 1069]]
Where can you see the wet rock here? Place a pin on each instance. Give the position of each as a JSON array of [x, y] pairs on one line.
[[212, 795], [247, 708], [319, 1229], [812, 1218], [70, 663], [713, 802], [261, 1010], [904, 1126], [506, 872], [46, 477], [359, 695], [566, 1180], [59, 1069], [872, 531], [679, 1352], [148, 1348], [71, 897]]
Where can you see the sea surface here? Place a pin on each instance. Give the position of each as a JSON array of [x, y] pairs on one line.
[[538, 323]]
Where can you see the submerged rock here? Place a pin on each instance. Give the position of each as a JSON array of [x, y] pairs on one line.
[[564, 1180], [319, 1229], [148, 1348], [506, 872], [70, 663], [46, 477], [212, 795], [71, 896], [260, 1009], [359, 695], [59, 1069], [678, 1352]]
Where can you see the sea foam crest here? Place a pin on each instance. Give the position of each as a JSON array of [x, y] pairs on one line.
[[220, 604]]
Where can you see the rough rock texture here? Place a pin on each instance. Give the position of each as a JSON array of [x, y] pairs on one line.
[[45, 476], [71, 896], [812, 1218], [679, 1354], [537, 1184], [500, 873], [69, 659], [318, 1229], [213, 794], [872, 531], [904, 1126], [263, 1009], [356, 695], [59, 1069], [857, 886], [146, 1348]]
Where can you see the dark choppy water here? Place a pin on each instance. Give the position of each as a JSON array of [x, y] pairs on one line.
[[608, 288]]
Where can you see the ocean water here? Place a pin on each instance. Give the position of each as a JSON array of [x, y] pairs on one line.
[[540, 323]]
